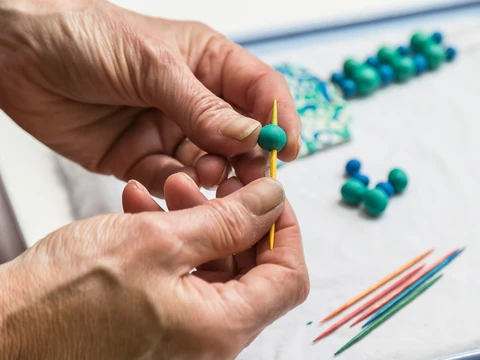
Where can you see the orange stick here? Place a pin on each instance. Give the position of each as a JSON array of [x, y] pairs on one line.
[[368, 303], [377, 285], [399, 290]]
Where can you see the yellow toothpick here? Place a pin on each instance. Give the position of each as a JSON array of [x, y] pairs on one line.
[[273, 168]]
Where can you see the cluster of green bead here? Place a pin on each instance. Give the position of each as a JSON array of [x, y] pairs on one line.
[[390, 64], [375, 201]]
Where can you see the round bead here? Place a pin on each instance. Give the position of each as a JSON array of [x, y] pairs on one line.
[[352, 191], [435, 56], [404, 69], [451, 53], [387, 187], [398, 179], [403, 50], [437, 37], [420, 63], [419, 41], [363, 178], [272, 137], [350, 66], [337, 77], [349, 88], [387, 55], [373, 61], [352, 167], [367, 80], [375, 201], [386, 74]]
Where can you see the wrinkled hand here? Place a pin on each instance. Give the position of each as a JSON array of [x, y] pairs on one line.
[[120, 287], [135, 96]]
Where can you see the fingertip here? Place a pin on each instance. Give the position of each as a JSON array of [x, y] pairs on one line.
[[212, 170], [229, 186], [136, 199]]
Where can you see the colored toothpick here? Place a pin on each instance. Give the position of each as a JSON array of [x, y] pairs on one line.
[[273, 168], [369, 303], [412, 288], [388, 314], [377, 285], [402, 288]]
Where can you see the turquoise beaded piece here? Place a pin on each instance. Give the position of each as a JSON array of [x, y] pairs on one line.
[[420, 41], [404, 68], [367, 80], [375, 201], [272, 137], [435, 55], [352, 191], [350, 66], [398, 179], [387, 55]]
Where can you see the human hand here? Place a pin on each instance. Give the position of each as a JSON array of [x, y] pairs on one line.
[[135, 96], [118, 286]]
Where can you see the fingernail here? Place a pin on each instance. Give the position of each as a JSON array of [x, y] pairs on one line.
[[262, 196], [299, 146], [238, 128], [139, 186]]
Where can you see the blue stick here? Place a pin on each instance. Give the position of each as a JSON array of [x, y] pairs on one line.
[[412, 287]]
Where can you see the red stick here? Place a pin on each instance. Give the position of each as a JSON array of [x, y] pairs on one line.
[[399, 290], [368, 304]]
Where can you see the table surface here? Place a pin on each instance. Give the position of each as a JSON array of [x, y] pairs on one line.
[[427, 126]]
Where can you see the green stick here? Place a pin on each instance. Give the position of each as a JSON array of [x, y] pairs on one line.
[[388, 314]]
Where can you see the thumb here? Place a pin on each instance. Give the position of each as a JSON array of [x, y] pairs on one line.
[[207, 120], [230, 225]]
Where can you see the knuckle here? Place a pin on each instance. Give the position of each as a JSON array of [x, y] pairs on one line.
[[228, 222], [206, 109]]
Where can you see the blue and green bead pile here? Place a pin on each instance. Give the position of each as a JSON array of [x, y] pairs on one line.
[[425, 52], [355, 190]]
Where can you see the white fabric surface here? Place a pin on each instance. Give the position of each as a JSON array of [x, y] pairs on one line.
[[429, 127]]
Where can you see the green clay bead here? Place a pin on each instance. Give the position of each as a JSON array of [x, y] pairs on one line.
[[375, 201], [435, 55], [398, 179], [367, 80], [272, 137], [352, 191], [388, 55], [419, 41], [404, 68], [350, 66]]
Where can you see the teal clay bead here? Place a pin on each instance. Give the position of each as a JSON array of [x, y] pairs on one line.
[[367, 79], [398, 179], [388, 55], [375, 201], [435, 55], [352, 191], [272, 137], [404, 68], [350, 66], [419, 41]]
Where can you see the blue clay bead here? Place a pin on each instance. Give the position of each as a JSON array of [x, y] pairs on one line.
[[349, 88], [272, 137], [403, 50], [387, 187], [352, 167], [420, 63], [373, 61], [451, 54], [386, 74], [363, 178], [437, 37], [337, 77]]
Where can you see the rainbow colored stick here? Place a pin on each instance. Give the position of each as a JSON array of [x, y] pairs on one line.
[[402, 288], [377, 285]]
